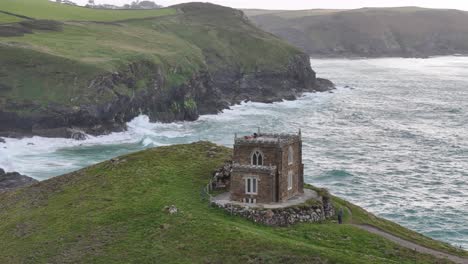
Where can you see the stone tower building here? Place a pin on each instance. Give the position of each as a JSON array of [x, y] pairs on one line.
[[267, 168]]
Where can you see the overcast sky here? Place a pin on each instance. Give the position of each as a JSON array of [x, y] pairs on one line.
[[311, 4]]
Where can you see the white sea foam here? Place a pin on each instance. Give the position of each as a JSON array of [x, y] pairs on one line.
[[42, 157], [398, 139]]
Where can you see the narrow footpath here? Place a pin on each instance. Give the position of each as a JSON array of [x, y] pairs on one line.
[[413, 246]]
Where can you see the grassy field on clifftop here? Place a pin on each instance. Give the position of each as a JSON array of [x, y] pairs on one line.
[[54, 56], [113, 212], [45, 9]]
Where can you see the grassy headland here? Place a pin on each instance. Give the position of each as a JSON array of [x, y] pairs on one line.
[[370, 32], [114, 212], [45, 9], [67, 59], [66, 66]]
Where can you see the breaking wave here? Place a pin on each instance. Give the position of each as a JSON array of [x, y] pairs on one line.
[[396, 144]]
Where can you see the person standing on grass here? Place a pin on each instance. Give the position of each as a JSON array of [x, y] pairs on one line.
[[340, 216]]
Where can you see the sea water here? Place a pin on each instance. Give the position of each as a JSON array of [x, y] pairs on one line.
[[393, 138]]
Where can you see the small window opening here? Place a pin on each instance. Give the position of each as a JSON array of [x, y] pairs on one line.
[[257, 158], [251, 185], [290, 156]]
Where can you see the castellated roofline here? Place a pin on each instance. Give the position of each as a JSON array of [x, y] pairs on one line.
[[269, 139]]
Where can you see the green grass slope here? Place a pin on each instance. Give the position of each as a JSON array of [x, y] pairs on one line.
[[113, 212], [370, 32], [56, 56], [63, 59], [6, 18], [45, 9]]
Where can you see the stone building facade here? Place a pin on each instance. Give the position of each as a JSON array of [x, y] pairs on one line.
[[267, 168]]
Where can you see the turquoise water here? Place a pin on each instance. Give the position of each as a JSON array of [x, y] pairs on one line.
[[395, 142]]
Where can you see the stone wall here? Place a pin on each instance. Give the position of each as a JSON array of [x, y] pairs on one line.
[[328, 207], [266, 179], [283, 216], [265, 176], [243, 153], [295, 168], [274, 149]]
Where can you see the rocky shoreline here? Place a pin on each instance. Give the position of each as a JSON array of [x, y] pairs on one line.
[[205, 93], [13, 180]]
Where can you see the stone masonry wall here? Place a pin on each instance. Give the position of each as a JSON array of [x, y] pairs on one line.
[[267, 181], [282, 216], [274, 155], [265, 186], [242, 153], [295, 167]]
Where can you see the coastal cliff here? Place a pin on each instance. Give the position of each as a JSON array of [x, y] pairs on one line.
[[369, 32], [198, 59]]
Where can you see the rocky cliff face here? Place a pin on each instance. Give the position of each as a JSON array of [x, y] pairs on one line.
[[204, 93], [199, 60], [370, 32]]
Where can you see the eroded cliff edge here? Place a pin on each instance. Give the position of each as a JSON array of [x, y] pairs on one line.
[[212, 57]]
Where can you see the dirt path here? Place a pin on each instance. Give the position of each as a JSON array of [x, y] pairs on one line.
[[413, 246]]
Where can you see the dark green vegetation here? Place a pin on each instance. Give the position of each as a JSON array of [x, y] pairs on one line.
[[370, 32], [114, 212], [65, 66]]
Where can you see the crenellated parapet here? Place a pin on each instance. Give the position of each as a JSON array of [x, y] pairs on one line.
[[256, 141], [279, 139]]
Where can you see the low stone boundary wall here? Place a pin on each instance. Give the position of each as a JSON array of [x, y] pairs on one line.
[[282, 216]]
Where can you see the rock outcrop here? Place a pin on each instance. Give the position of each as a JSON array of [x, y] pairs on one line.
[[205, 93], [206, 59], [13, 180], [222, 177]]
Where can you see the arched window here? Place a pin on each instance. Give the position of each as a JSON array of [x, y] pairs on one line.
[[290, 155], [257, 158]]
